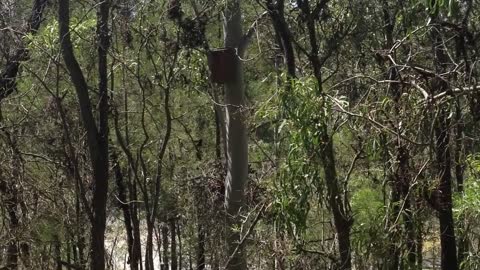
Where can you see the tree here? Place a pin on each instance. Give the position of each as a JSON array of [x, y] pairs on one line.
[[97, 135], [236, 137]]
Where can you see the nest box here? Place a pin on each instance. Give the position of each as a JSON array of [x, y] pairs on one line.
[[223, 64]]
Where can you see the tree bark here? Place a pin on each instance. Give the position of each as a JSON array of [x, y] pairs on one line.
[[12, 247], [337, 201], [165, 264], [124, 205], [9, 76], [277, 14], [401, 177], [236, 133], [173, 245], [459, 175], [443, 157], [97, 137], [200, 246]]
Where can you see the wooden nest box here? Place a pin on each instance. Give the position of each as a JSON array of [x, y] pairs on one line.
[[223, 65]]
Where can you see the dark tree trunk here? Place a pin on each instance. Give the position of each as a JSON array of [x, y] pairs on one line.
[[101, 164], [341, 217], [392, 262], [12, 191], [401, 179], [97, 137], [447, 232], [277, 14], [69, 254], [200, 246], [80, 238], [12, 247], [9, 76], [7, 86], [443, 157], [165, 264], [58, 253], [201, 230], [337, 201], [459, 167], [149, 263], [125, 207], [180, 247], [419, 243], [137, 247], [173, 244]]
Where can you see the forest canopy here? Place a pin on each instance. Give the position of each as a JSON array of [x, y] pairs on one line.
[[228, 134]]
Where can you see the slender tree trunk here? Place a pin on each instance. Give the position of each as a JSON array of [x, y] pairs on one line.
[[447, 232], [419, 243], [277, 14], [79, 233], [58, 253], [341, 217], [149, 263], [180, 246], [443, 158], [200, 246], [69, 254], [165, 264], [337, 201], [8, 80], [201, 230], [459, 167], [136, 252], [137, 247], [236, 134], [12, 191], [392, 262], [125, 207], [12, 247], [9, 76], [173, 244], [99, 201], [97, 136], [401, 180]]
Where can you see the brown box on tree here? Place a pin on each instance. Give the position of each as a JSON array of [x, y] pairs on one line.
[[223, 65]]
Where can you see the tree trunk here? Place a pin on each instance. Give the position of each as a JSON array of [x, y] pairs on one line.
[[459, 171], [100, 191], [9, 76], [447, 232], [342, 219], [180, 247], [137, 245], [443, 157], [149, 264], [236, 133], [337, 201], [124, 205], [165, 265], [200, 246], [401, 178], [173, 244], [97, 137], [12, 248], [58, 253], [12, 192]]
